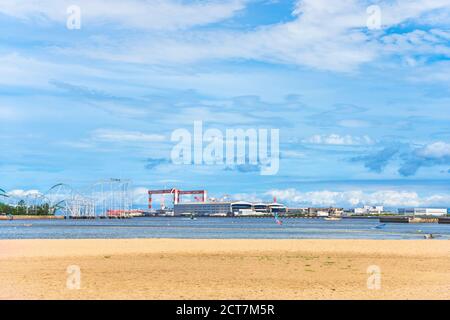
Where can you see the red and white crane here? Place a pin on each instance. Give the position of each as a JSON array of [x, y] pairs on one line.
[[176, 195]]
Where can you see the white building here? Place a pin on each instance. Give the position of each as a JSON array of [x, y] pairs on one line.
[[202, 208], [239, 208], [323, 213], [369, 210], [423, 211]]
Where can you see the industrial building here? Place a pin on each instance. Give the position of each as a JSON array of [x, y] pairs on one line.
[[277, 208], [261, 208], [176, 195], [423, 211], [324, 212], [369, 210], [242, 207], [239, 208], [203, 208]]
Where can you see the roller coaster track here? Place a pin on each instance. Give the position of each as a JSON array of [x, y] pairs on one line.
[[3, 193], [106, 197]]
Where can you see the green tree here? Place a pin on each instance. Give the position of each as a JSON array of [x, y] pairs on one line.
[[21, 208]]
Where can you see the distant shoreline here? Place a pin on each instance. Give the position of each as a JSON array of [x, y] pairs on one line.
[[30, 217]]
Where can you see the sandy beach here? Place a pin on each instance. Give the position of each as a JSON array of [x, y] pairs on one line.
[[225, 269]]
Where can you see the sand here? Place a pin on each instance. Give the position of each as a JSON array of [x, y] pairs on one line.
[[224, 269]]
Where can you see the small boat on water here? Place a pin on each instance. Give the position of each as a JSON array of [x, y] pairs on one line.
[[191, 217], [333, 218]]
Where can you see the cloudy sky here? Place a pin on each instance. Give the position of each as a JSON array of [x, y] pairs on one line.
[[363, 112]]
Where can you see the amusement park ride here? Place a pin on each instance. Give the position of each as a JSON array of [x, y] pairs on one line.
[[110, 198]]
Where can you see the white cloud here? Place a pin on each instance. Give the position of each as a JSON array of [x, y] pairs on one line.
[[245, 197], [388, 198], [319, 38], [432, 42], [19, 193], [142, 14], [20, 70], [395, 12], [140, 195], [436, 150], [126, 136], [325, 34], [335, 139]]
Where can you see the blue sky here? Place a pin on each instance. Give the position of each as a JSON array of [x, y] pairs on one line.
[[363, 114]]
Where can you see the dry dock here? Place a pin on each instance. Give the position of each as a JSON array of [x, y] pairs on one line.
[[394, 219], [444, 220], [409, 219]]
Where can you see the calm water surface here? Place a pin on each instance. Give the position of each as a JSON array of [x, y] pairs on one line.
[[217, 228]]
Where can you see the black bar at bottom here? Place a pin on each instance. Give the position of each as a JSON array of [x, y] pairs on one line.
[[228, 309]]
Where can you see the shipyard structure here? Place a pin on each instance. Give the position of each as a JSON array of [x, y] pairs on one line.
[[238, 208], [202, 206]]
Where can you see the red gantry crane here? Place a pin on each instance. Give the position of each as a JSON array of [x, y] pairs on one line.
[[176, 195]]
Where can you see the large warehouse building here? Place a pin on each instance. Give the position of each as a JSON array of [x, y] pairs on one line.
[[227, 208], [202, 208]]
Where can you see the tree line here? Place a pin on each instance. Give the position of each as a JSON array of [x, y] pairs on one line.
[[23, 209]]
